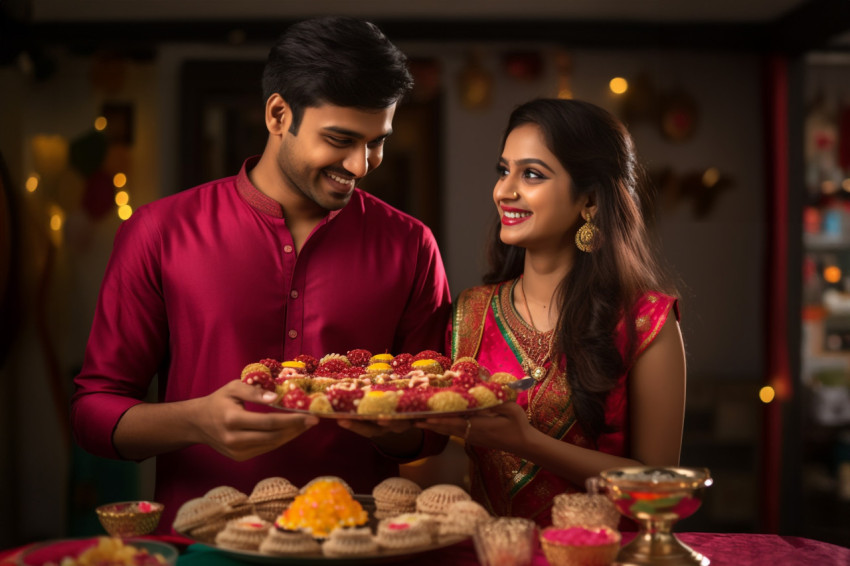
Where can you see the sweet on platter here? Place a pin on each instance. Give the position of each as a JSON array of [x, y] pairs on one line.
[[324, 517], [359, 382], [324, 505]]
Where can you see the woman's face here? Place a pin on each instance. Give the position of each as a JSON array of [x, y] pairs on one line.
[[534, 194]]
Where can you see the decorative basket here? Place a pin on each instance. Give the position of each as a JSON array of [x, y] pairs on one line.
[[130, 518]]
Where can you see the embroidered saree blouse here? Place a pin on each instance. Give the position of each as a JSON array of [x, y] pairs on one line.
[[487, 327]]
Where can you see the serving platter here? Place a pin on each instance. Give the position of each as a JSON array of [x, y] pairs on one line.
[[382, 556], [409, 416]]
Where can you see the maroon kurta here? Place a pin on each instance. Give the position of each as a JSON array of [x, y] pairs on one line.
[[203, 282]]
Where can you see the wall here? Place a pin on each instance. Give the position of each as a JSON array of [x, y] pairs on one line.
[[720, 258]]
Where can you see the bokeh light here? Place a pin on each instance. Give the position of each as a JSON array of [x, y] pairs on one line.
[[32, 183], [618, 85]]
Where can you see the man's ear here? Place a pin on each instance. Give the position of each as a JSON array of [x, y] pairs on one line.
[[278, 115]]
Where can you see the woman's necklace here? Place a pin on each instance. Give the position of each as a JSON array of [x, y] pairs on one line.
[[532, 368]]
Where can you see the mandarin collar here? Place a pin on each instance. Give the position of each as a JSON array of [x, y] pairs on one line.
[[257, 199]]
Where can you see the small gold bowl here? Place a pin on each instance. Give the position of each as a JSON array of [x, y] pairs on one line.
[[130, 518], [565, 547]]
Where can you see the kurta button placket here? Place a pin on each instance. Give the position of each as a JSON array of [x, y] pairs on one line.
[[293, 294], [293, 334]]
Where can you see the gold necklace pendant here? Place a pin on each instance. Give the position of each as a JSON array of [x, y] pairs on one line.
[[537, 372]]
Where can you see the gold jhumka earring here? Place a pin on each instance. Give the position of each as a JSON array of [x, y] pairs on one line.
[[586, 234]]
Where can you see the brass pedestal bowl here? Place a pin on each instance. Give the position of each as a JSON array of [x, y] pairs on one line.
[[655, 498]]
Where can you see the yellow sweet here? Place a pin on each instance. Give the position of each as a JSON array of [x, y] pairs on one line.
[[378, 403], [428, 366], [381, 358], [379, 368], [324, 506]]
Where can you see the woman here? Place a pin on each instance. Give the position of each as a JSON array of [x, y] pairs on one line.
[[575, 300]]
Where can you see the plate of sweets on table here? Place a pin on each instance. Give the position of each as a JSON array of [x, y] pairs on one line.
[[365, 386], [324, 522]]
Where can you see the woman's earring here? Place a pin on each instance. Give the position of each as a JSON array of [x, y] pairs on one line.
[[586, 234]]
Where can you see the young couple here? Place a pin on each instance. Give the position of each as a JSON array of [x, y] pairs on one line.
[[288, 257]]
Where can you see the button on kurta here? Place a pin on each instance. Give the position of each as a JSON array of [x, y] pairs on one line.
[[293, 334], [287, 248], [293, 294]]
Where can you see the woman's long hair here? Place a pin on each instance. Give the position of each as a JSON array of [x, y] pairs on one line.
[[603, 286]]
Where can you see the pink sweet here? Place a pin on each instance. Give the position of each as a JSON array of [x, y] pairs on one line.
[[145, 507], [578, 536]]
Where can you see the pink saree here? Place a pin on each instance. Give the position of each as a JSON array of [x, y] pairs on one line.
[[486, 327]]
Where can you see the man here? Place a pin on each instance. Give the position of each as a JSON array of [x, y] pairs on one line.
[[285, 258]]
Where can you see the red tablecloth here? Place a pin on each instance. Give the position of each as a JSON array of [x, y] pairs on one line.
[[723, 549]]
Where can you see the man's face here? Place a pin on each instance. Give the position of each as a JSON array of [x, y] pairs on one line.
[[335, 146]]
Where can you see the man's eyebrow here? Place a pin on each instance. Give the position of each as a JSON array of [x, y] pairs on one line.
[[354, 134], [529, 161]]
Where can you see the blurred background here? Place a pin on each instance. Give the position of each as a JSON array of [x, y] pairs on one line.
[[741, 115]]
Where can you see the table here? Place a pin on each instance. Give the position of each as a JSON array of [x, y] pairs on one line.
[[724, 549]]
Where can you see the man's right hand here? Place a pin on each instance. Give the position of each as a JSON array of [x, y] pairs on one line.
[[238, 433], [219, 420]]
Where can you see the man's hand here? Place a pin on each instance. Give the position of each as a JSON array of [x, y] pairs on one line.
[[240, 434], [219, 420]]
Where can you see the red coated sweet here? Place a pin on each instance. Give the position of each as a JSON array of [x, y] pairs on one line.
[[427, 355], [261, 379], [471, 368], [401, 361], [351, 371], [344, 399], [273, 365], [466, 380], [296, 398], [359, 357], [310, 362], [413, 401], [444, 361], [331, 368]]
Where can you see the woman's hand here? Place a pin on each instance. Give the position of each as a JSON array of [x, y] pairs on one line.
[[395, 437], [504, 427]]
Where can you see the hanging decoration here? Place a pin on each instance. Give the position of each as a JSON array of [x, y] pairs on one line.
[[701, 188], [564, 68], [524, 66], [475, 84], [678, 117], [426, 79]]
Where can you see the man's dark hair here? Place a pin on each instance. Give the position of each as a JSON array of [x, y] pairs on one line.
[[342, 61]]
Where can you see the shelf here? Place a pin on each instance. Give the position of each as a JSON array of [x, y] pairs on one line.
[[823, 242]]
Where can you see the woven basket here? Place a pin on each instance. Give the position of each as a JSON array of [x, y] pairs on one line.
[[130, 518]]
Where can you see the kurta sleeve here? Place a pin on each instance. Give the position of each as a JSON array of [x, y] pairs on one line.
[[128, 339]]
